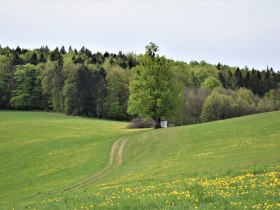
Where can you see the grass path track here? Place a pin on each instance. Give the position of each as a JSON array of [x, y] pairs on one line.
[[115, 160]]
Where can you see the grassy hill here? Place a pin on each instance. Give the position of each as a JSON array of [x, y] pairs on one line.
[[41, 152], [230, 164], [209, 147]]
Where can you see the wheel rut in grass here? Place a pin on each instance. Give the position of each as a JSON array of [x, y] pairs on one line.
[[115, 160]]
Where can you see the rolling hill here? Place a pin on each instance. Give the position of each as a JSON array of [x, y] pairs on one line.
[[51, 161]]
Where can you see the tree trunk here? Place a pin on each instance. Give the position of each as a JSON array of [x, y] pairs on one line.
[[157, 123]]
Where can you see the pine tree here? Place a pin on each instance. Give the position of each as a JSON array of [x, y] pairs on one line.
[[62, 50], [34, 58], [239, 79]]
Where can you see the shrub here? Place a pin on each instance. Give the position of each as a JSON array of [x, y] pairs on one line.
[[141, 123]]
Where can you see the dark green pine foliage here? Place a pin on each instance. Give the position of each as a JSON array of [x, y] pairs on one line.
[[259, 84], [62, 50], [84, 86], [246, 79], [98, 58], [4, 83], [18, 50], [222, 79], [219, 66], [34, 58], [253, 81], [231, 80], [42, 58], [239, 78], [55, 54], [16, 60], [267, 81], [57, 86], [99, 93]]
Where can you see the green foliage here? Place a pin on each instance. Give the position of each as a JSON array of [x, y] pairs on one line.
[[6, 80], [154, 92], [117, 92], [151, 49], [245, 95], [271, 94], [240, 102], [2, 80], [265, 105], [182, 72], [190, 112], [202, 71], [52, 85], [270, 102], [27, 93], [85, 90], [244, 103], [215, 107], [34, 58], [70, 93], [100, 92], [85, 84], [211, 83]]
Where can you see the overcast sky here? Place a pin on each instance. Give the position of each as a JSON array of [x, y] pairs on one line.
[[232, 32]]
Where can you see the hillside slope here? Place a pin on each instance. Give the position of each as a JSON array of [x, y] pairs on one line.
[[232, 164], [42, 152], [216, 146], [229, 164]]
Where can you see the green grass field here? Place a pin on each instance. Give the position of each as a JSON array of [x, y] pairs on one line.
[[230, 164], [41, 151]]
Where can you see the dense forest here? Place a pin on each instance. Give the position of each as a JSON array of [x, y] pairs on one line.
[[80, 82]]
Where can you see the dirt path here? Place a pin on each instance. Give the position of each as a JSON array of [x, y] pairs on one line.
[[115, 160]]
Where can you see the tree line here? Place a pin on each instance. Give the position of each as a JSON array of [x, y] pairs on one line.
[[79, 82], [73, 82]]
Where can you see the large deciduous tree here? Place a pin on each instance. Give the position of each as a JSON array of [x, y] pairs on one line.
[[154, 92], [216, 107], [52, 84], [118, 92], [211, 83], [27, 93]]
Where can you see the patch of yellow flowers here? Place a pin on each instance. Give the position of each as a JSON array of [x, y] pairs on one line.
[[242, 190], [238, 191]]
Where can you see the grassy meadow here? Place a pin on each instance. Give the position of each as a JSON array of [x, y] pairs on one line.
[[42, 152], [229, 164]]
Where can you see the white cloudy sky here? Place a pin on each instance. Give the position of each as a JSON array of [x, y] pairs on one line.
[[233, 32]]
